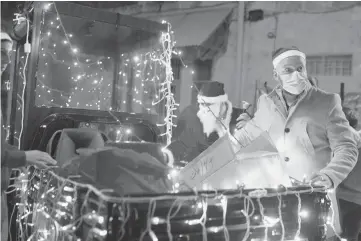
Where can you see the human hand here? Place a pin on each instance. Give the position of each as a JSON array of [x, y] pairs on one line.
[[320, 179], [40, 159], [242, 120]]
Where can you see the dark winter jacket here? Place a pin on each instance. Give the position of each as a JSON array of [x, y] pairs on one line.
[[188, 138], [10, 158]]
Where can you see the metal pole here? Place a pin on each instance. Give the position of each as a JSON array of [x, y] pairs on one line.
[[221, 6], [238, 94], [115, 92], [342, 92], [14, 96], [30, 95]]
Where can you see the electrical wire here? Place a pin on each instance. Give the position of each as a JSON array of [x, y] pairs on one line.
[[18, 18]]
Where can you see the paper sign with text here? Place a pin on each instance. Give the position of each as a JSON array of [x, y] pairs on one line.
[[215, 157]]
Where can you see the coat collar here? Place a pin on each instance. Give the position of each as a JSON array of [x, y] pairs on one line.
[[276, 96]]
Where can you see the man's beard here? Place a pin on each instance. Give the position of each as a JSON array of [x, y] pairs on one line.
[[209, 123]]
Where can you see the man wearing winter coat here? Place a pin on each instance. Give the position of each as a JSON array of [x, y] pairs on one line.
[[189, 139], [305, 124]]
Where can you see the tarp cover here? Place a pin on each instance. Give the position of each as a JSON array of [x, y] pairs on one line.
[[125, 171]]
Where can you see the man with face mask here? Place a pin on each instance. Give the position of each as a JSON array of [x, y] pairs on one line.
[[305, 124], [11, 157]]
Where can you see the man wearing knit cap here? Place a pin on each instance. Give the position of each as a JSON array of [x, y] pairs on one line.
[[197, 126], [11, 157], [215, 110], [305, 124]]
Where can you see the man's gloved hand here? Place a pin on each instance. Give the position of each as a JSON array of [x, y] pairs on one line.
[[242, 120], [320, 179], [39, 159]]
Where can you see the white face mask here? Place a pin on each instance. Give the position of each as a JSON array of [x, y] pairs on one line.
[[294, 83]]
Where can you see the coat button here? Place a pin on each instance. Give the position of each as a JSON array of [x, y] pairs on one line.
[[287, 130], [287, 159]]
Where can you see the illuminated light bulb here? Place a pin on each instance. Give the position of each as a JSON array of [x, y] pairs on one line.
[[75, 63], [136, 59], [49, 33], [192, 72], [65, 42], [173, 173], [51, 22], [47, 6], [128, 131], [75, 50], [54, 45], [155, 220], [329, 220], [95, 82], [303, 214], [70, 35]]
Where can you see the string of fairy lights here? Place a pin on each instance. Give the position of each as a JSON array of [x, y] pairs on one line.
[[89, 88], [45, 187], [56, 193]]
